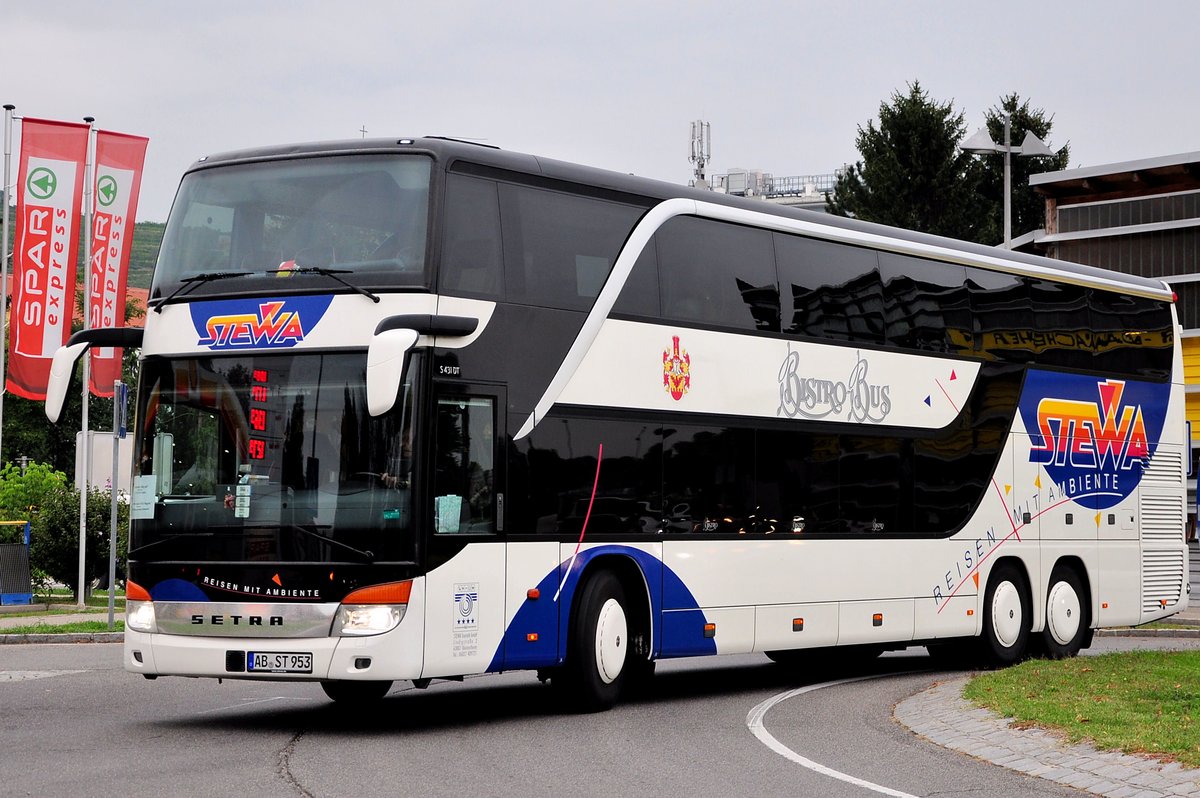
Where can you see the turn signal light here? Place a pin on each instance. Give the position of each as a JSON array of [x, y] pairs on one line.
[[387, 593], [135, 592]]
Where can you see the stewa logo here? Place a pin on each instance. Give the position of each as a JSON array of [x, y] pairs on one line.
[[257, 323], [1093, 437]]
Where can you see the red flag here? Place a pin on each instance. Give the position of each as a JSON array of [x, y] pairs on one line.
[[119, 160], [49, 197]]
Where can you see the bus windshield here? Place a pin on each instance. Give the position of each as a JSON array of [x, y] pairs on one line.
[[363, 217], [269, 458]]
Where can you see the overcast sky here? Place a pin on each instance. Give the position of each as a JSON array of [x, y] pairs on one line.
[[613, 84]]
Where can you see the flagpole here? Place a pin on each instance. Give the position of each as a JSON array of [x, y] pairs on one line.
[[84, 444], [4, 189]]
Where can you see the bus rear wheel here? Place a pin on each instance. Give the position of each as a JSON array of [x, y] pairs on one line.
[[1067, 621], [348, 692], [1007, 609], [595, 671]]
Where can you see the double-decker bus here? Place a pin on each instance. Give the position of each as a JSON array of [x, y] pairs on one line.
[[416, 409]]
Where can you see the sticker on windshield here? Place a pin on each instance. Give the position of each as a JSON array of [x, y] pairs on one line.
[[257, 323]]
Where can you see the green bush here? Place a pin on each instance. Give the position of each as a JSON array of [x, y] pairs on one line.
[[54, 544]]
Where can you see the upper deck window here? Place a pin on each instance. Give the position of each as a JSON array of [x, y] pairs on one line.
[[364, 217]]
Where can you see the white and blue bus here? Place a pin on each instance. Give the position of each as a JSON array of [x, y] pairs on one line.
[[417, 409]]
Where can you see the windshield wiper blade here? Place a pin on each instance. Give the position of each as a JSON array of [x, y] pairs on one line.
[[369, 556], [188, 283], [329, 273]]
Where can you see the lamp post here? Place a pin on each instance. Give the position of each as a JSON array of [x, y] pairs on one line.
[[981, 143]]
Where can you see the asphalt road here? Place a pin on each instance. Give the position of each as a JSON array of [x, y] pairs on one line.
[[72, 723]]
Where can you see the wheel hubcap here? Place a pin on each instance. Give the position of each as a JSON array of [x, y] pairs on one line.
[[612, 636], [1007, 619], [1062, 613]]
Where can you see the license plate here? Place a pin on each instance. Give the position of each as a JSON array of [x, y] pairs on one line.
[[278, 662]]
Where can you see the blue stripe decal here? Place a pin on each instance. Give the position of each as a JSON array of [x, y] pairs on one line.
[[675, 634]]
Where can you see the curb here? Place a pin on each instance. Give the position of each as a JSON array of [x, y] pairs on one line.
[[1184, 633]]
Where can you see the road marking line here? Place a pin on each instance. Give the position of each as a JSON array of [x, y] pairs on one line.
[[754, 722], [250, 701]]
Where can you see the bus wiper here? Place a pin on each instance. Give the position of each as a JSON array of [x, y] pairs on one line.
[[329, 273], [188, 283], [369, 556]]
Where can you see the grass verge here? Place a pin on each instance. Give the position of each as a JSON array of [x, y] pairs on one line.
[[82, 627], [1138, 702]]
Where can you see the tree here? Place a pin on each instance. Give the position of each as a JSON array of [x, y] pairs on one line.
[[1028, 209], [912, 173]]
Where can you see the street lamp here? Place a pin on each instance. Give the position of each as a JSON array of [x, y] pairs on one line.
[[981, 143]]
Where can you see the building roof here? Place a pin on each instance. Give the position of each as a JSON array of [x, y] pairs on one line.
[[1159, 175]]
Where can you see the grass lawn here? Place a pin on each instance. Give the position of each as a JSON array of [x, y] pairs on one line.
[[1139, 702], [83, 627]]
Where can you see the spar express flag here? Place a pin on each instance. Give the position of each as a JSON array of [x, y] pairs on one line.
[[119, 161], [49, 197]]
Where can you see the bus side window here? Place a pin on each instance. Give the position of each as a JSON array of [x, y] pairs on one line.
[[464, 465], [471, 265]]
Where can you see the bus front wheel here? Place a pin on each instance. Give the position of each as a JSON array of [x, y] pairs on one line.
[[595, 670], [1007, 610], [348, 692]]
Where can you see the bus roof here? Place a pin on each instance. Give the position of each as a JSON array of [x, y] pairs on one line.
[[447, 151]]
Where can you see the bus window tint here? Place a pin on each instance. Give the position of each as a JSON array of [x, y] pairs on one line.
[[834, 290], [561, 474], [708, 480], [1063, 322], [464, 466], [365, 215], [1133, 335], [639, 295], [719, 274], [925, 304], [471, 256], [1004, 315], [559, 248]]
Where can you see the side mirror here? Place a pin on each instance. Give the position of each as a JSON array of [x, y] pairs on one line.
[[62, 367], [387, 358]]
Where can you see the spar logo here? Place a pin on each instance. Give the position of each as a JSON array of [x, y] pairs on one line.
[[259, 323], [1093, 437], [677, 370]]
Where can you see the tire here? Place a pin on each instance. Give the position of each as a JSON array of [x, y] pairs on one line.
[[595, 672], [355, 692], [1068, 618], [1007, 610]]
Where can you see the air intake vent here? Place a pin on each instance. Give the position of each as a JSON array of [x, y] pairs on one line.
[[1162, 579], [1162, 518], [1165, 468]]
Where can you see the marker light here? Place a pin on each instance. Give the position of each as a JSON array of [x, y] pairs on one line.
[[139, 609], [372, 610]]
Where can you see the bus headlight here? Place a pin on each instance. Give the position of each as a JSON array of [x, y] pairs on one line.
[[139, 616], [372, 610], [139, 609], [368, 620]]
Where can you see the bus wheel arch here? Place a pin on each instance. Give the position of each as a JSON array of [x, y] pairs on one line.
[[1007, 613], [608, 635], [1068, 610]]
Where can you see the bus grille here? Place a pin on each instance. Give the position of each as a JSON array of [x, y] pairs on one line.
[[1162, 579], [1162, 519], [1165, 468]]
